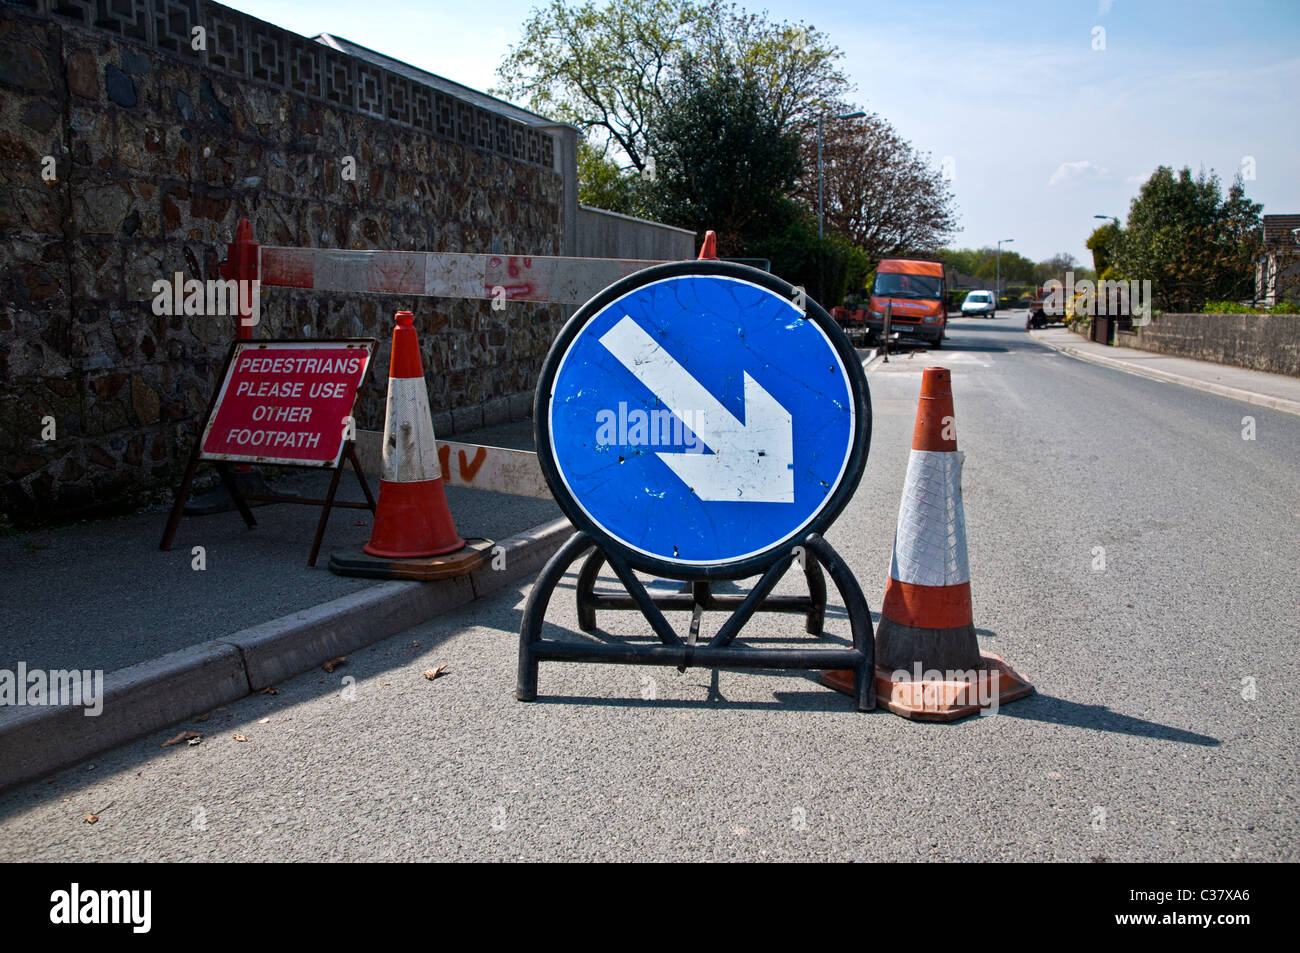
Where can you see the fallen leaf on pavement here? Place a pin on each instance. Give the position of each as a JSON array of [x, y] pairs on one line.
[[432, 673], [202, 718], [92, 818], [334, 663], [263, 721], [183, 736], [270, 691], [197, 740], [239, 737]]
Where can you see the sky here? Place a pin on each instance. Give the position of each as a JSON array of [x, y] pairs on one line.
[[1044, 114]]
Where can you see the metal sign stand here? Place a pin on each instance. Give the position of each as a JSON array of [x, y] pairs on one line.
[[718, 652], [744, 305], [241, 499], [701, 597]]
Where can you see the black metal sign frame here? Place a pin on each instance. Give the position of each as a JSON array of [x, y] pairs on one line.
[[723, 650]]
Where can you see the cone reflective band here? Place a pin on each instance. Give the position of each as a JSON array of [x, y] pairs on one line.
[[927, 614], [412, 518]]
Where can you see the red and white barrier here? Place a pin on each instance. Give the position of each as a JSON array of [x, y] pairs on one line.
[[443, 274]]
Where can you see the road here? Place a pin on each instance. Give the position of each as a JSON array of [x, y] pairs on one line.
[[1163, 727]]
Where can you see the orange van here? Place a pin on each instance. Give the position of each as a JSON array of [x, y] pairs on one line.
[[917, 294]]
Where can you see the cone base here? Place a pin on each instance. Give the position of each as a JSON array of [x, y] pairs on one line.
[[940, 700], [357, 562]]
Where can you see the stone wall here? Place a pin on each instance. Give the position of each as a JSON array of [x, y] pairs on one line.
[[1261, 342], [151, 153]]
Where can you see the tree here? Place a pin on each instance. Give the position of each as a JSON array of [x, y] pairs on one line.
[[1102, 245], [795, 64], [601, 68], [964, 261], [1058, 266], [721, 158], [602, 184], [1188, 240], [825, 269], [880, 193], [607, 68]]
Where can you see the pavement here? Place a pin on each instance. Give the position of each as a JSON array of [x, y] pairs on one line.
[[1131, 553], [1275, 391], [101, 596]]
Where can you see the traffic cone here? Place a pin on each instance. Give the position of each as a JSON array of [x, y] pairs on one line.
[[412, 519], [929, 665]]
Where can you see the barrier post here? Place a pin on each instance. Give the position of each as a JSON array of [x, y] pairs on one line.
[[886, 329], [241, 265]]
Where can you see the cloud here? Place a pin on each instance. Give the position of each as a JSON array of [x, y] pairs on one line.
[[1103, 7], [1075, 170], [1138, 179]]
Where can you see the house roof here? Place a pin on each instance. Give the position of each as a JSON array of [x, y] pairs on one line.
[[480, 99], [1280, 229]]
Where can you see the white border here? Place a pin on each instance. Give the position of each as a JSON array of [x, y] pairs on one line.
[[830, 493]]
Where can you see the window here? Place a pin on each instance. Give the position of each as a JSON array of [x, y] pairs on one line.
[[907, 286]]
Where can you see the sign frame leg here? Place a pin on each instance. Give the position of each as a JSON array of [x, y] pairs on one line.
[[719, 652]]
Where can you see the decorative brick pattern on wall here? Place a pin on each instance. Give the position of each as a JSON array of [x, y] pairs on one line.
[[159, 150]]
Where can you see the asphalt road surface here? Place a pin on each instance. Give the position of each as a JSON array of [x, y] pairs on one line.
[[1164, 725]]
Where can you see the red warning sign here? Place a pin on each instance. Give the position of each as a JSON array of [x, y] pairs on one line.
[[287, 402]]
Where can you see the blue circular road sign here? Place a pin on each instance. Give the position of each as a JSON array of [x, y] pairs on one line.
[[702, 417]]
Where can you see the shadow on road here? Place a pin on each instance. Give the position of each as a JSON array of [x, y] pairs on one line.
[[1043, 708], [820, 700], [1061, 711]]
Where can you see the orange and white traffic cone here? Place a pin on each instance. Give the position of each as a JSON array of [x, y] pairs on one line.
[[412, 519], [929, 665]]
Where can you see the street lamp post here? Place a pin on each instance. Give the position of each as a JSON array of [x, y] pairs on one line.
[[997, 282], [820, 120]]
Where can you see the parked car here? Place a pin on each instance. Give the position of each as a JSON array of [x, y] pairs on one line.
[[979, 303]]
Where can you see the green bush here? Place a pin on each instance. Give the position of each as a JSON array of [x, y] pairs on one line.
[[959, 296], [1228, 307], [821, 269], [858, 271], [1236, 307]]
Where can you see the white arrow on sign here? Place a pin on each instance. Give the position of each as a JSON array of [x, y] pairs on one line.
[[751, 461]]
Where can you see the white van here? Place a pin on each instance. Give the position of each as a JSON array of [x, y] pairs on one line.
[[979, 302]]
